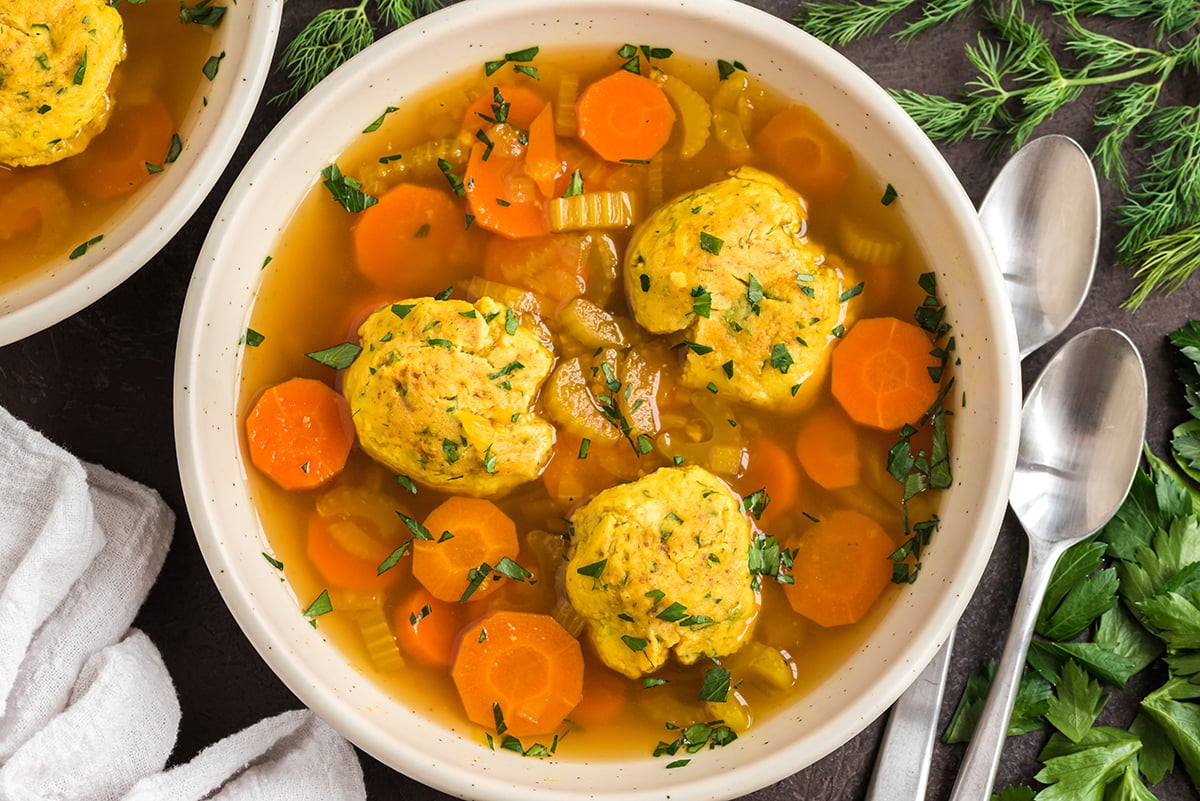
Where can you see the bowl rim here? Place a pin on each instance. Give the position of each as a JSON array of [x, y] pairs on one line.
[[206, 163], [273, 646]]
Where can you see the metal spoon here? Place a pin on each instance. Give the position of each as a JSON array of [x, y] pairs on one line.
[[1042, 215], [1082, 428]]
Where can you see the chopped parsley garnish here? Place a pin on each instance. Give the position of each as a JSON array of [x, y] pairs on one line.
[[175, 150], [726, 68], [781, 358], [252, 338], [272, 561], [889, 195], [575, 186], [393, 558], [754, 293], [346, 191], [452, 450], [81, 70], [644, 282], [727, 368], [695, 347], [511, 321], [415, 527], [594, 570], [519, 59], [851, 292], [701, 301], [452, 178], [212, 65], [203, 13], [756, 502], [711, 244], [407, 483], [673, 613], [716, 685], [634, 644], [339, 357], [584, 445], [767, 558], [507, 369], [321, 605], [378, 123], [83, 248], [402, 310]]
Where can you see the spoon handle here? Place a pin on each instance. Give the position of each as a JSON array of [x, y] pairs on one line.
[[977, 774], [902, 766]]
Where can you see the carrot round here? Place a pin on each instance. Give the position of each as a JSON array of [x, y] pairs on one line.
[[299, 433], [827, 447], [606, 695], [525, 665], [625, 117], [521, 105], [571, 477], [467, 533], [841, 566], [133, 146], [35, 200], [542, 162], [414, 241], [554, 266], [881, 373], [347, 553], [799, 147], [427, 627], [772, 468], [502, 197]]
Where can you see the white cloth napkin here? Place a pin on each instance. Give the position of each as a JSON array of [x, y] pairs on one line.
[[88, 711]]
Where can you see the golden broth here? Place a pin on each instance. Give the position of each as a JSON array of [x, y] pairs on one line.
[[46, 211], [312, 297]]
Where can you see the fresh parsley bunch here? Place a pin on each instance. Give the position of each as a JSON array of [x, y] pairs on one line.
[[1124, 602], [336, 34], [1023, 78]]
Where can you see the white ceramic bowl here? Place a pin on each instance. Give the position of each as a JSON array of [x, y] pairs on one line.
[[287, 165], [150, 217]]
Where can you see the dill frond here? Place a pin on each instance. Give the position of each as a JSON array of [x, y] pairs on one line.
[[936, 13], [840, 23], [334, 36], [1165, 263]]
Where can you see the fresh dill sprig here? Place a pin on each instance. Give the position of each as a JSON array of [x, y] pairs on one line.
[[1020, 82], [335, 35]]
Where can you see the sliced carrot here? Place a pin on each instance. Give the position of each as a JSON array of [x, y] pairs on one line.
[[427, 627], [802, 150], [881, 373], [606, 694], [576, 473], [35, 199], [347, 551], [840, 568], [772, 468], [415, 241], [625, 117], [554, 266], [299, 433], [467, 533], [133, 146], [542, 162], [512, 103], [519, 667], [501, 196], [827, 447]]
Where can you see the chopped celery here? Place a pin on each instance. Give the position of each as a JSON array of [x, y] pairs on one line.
[[378, 639], [565, 123], [607, 209], [695, 116]]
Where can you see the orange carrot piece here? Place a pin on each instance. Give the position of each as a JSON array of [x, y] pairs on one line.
[[554, 266], [299, 433], [347, 554], [542, 163], [467, 532], [521, 106], [525, 665], [771, 467], [115, 162], [827, 447], [427, 627], [881, 373], [606, 694], [33, 200], [804, 152], [501, 196], [625, 117], [841, 567], [570, 479], [415, 241]]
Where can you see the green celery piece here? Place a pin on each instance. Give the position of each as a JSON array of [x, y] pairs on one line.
[[1179, 721], [1076, 703], [1081, 771], [1157, 757]]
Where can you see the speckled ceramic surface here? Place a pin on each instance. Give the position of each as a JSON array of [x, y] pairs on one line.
[[246, 37], [324, 123]]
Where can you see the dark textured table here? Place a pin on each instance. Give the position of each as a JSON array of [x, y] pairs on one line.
[[99, 384]]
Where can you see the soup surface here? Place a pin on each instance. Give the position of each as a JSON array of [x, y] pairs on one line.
[[49, 212], [526, 351]]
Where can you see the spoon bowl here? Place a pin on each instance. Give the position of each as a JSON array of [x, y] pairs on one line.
[[1042, 215], [1082, 428]]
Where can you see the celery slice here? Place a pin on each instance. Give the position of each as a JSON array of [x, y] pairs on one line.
[[378, 639], [565, 123], [607, 209], [695, 116]]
